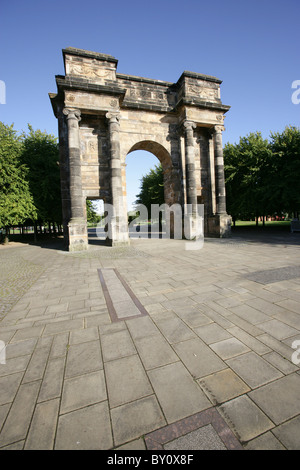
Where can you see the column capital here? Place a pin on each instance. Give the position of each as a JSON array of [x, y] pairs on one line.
[[72, 113], [218, 129], [113, 117], [189, 125]]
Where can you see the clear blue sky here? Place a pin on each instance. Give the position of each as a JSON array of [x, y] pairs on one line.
[[252, 46]]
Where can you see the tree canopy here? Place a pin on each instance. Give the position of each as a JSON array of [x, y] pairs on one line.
[[91, 212], [262, 177], [285, 148], [41, 156], [152, 188], [16, 200]]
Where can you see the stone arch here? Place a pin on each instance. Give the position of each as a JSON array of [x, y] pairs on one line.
[[171, 182]]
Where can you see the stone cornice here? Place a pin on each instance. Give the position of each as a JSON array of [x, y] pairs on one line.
[[146, 106], [89, 54], [86, 85], [201, 104], [150, 81], [199, 76]]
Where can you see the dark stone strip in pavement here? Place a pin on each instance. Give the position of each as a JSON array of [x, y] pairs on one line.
[[121, 301], [156, 440]]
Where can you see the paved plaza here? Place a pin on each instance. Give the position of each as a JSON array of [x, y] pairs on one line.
[[152, 346]]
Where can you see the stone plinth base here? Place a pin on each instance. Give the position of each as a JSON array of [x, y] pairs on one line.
[[117, 233], [219, 226], [110, 242], [193, 227], [78, 237]]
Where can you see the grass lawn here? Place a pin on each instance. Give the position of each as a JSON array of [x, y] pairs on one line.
[[280, 225]]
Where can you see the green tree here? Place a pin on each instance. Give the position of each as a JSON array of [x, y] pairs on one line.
[[152, 188], [285, 174], [16, 201], [91, 214], [247, 166], [41, 156]]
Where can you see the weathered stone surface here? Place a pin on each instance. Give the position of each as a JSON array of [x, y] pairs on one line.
[[134, 419], [171, 380], [247, 420], [223, 385], [85, 429], [285, 403]]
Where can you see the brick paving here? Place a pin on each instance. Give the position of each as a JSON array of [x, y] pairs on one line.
[[212, 356]]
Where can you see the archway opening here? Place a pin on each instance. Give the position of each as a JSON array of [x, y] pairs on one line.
[[95, 221], [139, 163], [151, 160]]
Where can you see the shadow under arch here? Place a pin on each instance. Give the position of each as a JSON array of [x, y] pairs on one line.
[[171, 175]]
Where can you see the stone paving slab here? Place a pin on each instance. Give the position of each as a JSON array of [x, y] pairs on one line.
[[223, 386], [215, 339], [285, 403], [245, 418], [288, 434]]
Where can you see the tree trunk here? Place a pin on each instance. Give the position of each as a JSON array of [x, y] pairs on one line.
[[6, 237], [35, 232]]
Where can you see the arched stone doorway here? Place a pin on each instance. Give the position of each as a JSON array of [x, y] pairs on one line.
[[172, 189], [151, 222], [104, 115], [138, 164]]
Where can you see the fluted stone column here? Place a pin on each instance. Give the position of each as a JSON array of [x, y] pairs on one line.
[[220, 223], [118, 226], [191, 219], [191, 189], [219, 172], [77, 225]]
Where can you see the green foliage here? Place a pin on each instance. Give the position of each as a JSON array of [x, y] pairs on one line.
[[41, 156], [152, 188], [286, 172], [16, 201], [246, 166], [91, 214], [262, 177]]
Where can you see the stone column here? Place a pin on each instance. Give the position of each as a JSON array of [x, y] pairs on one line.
[[191, 189], [219, 172], [220, 223], [77, 224], [192, 222], [117, 223]]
